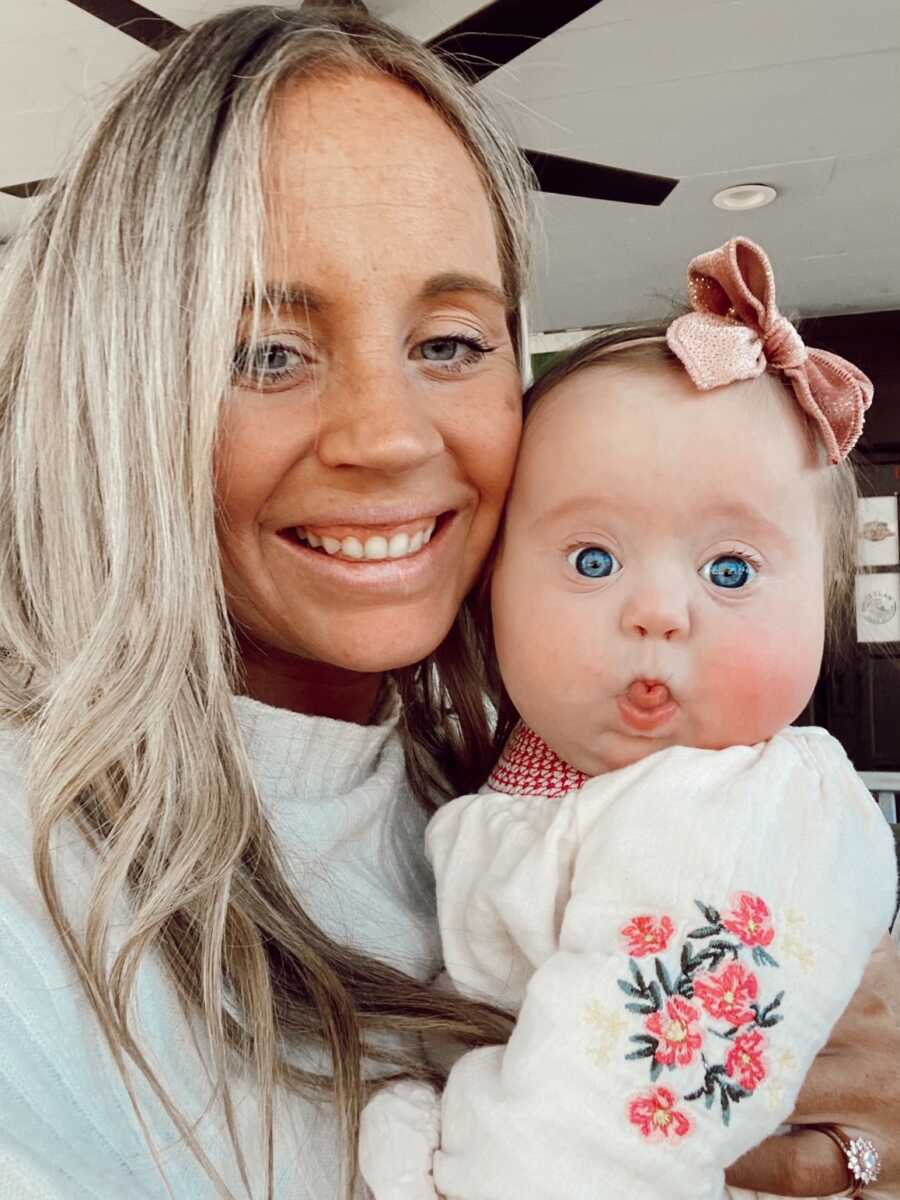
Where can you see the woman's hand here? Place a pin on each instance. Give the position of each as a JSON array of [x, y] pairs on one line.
[[855, 1083]]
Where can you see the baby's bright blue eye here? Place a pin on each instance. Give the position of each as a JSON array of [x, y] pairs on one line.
[[593, 562], [728, 571]]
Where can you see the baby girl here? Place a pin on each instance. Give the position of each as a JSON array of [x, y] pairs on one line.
[[675, 889]]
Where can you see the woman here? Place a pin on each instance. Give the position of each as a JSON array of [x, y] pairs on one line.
[[260, 404]]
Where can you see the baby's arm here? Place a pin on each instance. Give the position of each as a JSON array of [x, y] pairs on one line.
[[721, 910]]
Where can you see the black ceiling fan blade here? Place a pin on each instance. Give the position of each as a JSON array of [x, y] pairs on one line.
[[24, 191], [595, 181], [132, 18], [490, 38], [496, 34]]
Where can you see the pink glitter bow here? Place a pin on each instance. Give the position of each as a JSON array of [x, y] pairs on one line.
[[736, 331]]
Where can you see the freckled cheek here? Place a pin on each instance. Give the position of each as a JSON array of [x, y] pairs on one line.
[[757, 684], [484, 439], [251, 457]]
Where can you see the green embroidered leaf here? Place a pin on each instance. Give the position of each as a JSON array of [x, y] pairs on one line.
[[664, 978], [685, 987], [628, 988], [768, 1022], [645, 1052], [644, 1037], [710, 1097], [710, 913], [655, 994], [655, 1071], [712, 958], [737, 1093], [644, 1009], [727, 948], [767, 1017], [762, 958], [726, 1106], [705, 931], [638, 977]]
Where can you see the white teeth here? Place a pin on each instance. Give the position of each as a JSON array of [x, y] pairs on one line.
[[376, 547], [398, 546]]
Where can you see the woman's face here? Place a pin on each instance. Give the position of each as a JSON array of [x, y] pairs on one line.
[[368, 444]]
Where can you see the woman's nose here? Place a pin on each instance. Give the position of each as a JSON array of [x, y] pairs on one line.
[[654, 610], [377, 419]]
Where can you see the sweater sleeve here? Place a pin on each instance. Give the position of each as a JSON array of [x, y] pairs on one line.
[[719, 911], [68, 1130], [57, 1142]]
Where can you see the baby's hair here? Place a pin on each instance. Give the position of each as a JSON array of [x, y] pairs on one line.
[[644, 345]]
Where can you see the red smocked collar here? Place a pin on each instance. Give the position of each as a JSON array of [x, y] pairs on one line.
[[528, 767]]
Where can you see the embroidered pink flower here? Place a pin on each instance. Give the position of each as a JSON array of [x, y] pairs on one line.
[[745, 1060], [678, 1040], [648, 936], [751, 921], [727, 995], [656, 1116]]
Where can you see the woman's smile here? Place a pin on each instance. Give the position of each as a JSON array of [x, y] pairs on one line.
[[407, 557], [368, 544]]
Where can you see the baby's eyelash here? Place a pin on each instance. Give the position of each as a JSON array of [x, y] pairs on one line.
[[746, 555]]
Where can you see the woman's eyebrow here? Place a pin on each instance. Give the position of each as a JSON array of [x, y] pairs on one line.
[[288, 295], [454, 281], [301, 295]]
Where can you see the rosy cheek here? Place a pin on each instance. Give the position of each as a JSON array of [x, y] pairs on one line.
[[758, 684]]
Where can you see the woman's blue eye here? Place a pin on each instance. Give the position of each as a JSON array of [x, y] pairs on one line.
[[267, 363], [442, 349], [728, 571], [454, 352], [593, 562]]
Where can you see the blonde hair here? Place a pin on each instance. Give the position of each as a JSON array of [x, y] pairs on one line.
[[645, 345], [119, 305]]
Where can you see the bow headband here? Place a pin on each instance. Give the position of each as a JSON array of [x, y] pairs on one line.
[[736, 331]]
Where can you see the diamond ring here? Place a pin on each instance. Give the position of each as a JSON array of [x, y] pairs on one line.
[[863, 1159]]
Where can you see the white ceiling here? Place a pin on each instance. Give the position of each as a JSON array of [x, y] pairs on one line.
[[800, 94]]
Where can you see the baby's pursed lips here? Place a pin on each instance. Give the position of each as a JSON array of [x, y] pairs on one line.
[[648, 694]]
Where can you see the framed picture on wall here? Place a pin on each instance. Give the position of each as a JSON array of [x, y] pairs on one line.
[[878, 607], [878, 544]]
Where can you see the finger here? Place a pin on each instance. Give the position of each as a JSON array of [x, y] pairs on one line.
[[800, 1163]]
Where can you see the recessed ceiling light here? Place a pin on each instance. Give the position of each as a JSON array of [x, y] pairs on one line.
[[745, 196]]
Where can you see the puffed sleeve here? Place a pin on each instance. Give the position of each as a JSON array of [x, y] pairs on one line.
[[707, 924], [503, 868]]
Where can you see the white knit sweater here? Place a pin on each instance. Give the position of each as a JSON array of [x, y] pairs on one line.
[[352, 836]]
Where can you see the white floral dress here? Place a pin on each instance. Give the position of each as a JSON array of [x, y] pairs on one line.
[[678, 939]]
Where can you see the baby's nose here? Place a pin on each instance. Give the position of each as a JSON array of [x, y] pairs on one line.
[[647, 693]]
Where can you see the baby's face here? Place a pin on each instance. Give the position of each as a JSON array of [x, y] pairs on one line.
[[660, 580]]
